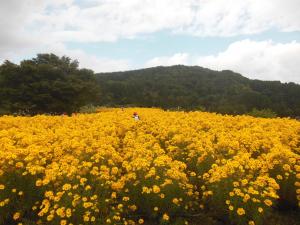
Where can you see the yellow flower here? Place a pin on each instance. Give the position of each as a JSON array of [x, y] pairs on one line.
[[156, 189], [94, 197], [141, 221], [117, 218], [175, 201], [165, 217], [49, 194], [133, 207], [88, 187], [246, 198], [67, 187], [268, 202], [16, 216], [236, 184], [61, 212], [108, 152], [19, 165], [114, 170], [286, 167], [68, 212], [113, 195], [87, 205], [50, 217], [82, 180], [244, 182], [192, 174], [86, 218], [241, 211]]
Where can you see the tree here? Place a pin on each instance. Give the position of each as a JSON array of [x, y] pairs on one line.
[[46, 84]]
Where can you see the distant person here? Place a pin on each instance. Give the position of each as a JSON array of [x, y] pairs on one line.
[[136, 116]]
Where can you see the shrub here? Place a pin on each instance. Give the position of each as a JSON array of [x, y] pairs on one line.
[[88, 109], [264, 113]]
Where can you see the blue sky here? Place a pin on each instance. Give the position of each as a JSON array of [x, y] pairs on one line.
[[146, 47], [258, 38]]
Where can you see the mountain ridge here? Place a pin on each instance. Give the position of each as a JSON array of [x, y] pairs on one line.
[[192, 87], [185, 66]]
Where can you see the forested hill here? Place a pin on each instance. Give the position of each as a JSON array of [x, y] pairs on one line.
[[196, 87], [53, 84]]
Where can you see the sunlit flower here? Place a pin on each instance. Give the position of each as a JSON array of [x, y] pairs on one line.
[[166, 217], [240, 211]]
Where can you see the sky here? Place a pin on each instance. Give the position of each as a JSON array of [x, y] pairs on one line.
[[258, 38]]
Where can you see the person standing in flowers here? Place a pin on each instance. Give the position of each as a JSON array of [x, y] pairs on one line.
[[135, 116]]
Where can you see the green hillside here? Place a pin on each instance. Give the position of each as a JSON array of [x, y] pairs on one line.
[[52, 84], [192, 87]]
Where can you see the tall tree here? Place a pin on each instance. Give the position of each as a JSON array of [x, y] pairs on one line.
[[47, 83]]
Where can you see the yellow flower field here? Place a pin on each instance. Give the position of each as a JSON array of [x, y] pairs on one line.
[[107, 168]]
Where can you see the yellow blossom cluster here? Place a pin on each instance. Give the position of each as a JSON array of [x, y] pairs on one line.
[[107, 168]]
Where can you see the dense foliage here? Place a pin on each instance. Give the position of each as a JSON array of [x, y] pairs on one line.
[[196, 87], [52, 84], [167, 168], [45, 84]]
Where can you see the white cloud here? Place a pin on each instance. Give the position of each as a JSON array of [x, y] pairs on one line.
[[19, 32], [32, 26], [26, 34], [98, 64], [109, 20], [263, 60], [234, 17], [90, 61], [178, 58]]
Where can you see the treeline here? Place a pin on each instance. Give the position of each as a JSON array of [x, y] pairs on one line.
[[198, 88], [45, 84], [52, 84]]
